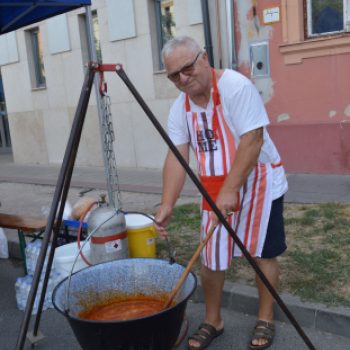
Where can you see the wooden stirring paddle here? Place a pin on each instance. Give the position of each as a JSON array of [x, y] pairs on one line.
[[188, 268]]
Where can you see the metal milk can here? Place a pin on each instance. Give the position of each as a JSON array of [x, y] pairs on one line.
[[109, 242]]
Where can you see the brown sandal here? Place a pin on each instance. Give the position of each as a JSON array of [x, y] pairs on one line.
[[204, 338], [266, 333]]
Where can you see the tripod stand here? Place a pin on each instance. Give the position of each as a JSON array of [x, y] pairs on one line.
[[63, 187]]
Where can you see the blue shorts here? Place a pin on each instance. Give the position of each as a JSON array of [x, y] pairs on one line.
[[275, 243]]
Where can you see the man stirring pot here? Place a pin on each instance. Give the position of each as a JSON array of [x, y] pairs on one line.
[[219, 113]]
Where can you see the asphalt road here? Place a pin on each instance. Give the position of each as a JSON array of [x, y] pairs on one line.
[[58, 334]]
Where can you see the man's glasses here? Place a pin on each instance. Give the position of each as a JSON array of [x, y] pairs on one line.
[[188, 70]]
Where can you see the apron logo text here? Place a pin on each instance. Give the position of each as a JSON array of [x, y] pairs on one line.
[[206, 141]]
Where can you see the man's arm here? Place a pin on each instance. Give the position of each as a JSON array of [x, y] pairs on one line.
[[245, 159], [174, 176]]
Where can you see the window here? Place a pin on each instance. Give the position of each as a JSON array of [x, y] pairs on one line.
[[326, 17], [5, 140], [296, 29], [38, 58], [165, 23], [97, 36]]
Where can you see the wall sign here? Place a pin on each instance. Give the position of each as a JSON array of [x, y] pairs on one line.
[[271, 15]]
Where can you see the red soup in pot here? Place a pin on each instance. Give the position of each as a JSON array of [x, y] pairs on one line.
[[124, 310]]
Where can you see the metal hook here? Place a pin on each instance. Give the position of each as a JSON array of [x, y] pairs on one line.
[[102, 90]]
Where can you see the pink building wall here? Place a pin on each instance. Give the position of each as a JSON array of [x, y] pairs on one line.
[[309, 108]]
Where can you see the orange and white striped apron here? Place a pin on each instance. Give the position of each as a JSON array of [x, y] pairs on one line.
[[215, 148]]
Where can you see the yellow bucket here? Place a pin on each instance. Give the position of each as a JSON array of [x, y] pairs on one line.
[[141, 236]]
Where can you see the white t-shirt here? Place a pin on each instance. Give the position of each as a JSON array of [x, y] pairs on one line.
[[243, 111]]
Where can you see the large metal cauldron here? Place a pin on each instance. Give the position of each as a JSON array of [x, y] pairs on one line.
[[129, 277]]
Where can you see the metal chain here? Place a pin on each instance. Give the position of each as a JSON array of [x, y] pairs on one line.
[[108, 138]]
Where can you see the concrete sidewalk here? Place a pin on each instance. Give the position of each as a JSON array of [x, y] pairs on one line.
[[303, 188]]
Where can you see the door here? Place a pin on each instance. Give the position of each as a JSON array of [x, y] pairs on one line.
[[5, 140]]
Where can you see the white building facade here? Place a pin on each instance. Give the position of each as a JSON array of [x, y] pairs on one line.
[[42, 69]]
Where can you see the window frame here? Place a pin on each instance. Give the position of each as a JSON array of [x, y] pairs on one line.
[[346, 16], [36, 58]]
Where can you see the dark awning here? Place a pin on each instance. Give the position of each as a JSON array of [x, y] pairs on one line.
[[15, 14]]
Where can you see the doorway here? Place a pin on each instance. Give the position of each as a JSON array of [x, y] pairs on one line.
[[5, 139]]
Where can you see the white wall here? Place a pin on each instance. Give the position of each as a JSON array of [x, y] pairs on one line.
[[40, 119]]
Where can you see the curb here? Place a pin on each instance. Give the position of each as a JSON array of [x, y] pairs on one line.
[[241, 298]]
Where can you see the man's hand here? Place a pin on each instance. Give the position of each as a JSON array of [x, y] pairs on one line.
[[163, 217], [226, 202], [174, 176]]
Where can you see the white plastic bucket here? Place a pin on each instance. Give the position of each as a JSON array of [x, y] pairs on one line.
[[65, 256]]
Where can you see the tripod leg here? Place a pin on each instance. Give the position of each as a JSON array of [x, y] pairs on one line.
[[63, 184]]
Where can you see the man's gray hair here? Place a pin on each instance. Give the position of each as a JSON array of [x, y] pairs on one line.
[[174, 43]]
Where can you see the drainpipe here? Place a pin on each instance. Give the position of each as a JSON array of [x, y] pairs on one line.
[[207, 33], [218, 31], [231, 31]]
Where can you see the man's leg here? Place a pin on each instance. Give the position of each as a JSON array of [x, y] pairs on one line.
[[270, 269], [212, 284]]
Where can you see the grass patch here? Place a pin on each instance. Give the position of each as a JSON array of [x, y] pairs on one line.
[[183, 230], [312, 213], [316, 265], [185, 216]]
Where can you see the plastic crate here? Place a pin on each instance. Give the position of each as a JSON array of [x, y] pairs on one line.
[[69, 231]]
